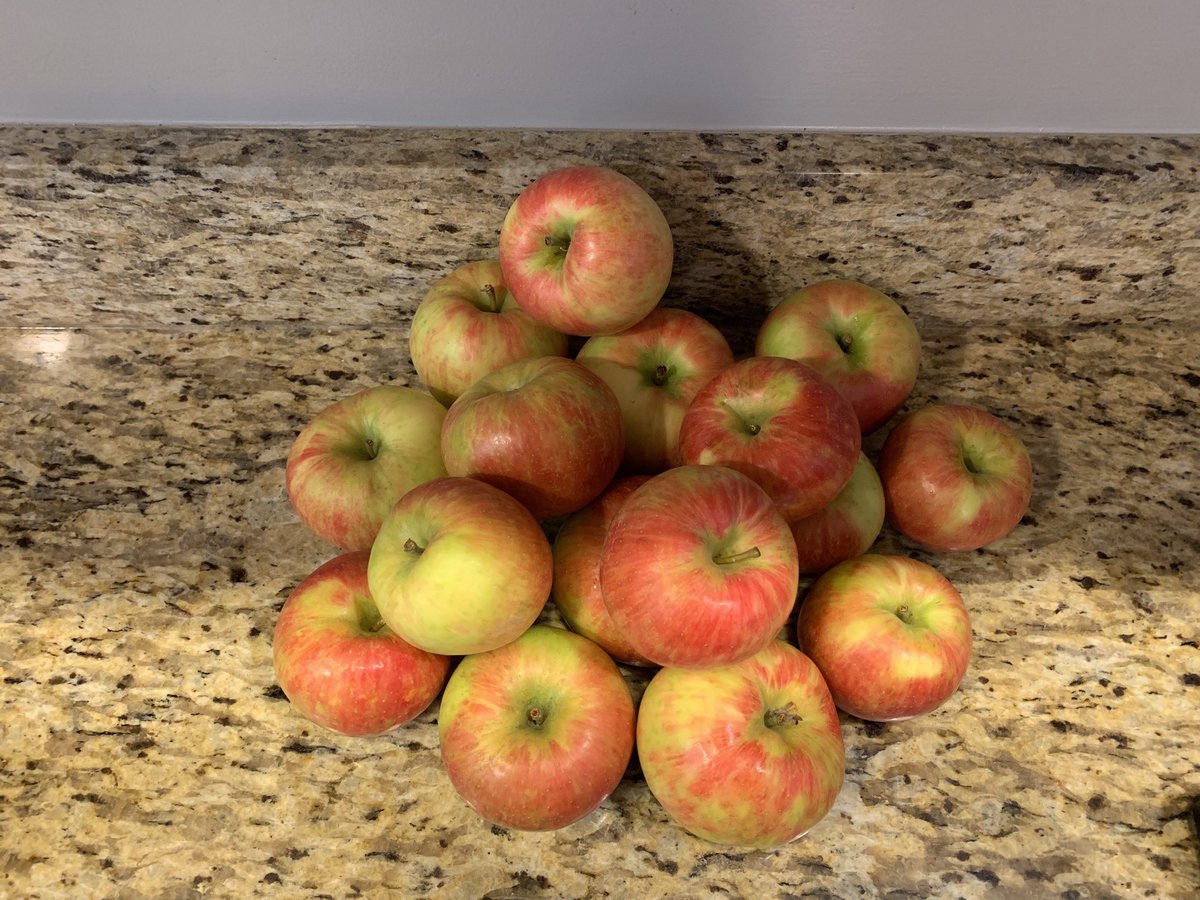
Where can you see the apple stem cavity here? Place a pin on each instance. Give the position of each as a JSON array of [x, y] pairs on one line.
[[411, 546], [558, 245], [494, 302], [725, 559], [845, 341], [660, 375], [782, 715]]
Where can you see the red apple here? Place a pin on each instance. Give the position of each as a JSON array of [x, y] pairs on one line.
[[656, 368], [460, 567], [698, 568], [749, 754], [859, 339], [359, 456], [586, 251], [536, 734], [846, 528], [545, 430], [890, 635], [780, 423], [955, 477], [576, 590], [468, 326], [340, 665]]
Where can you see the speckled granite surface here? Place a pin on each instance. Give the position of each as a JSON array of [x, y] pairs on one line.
[[174, 305]]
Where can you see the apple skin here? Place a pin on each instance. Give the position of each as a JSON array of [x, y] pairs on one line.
[[576, 591], [340, 665], [780, 423], [750, 754], [856, 337], [460, 567], [666, 591], [545, 430], [359, 456], [890, 634], [655, 369], [586, 251], [536, 734], [955, 477], [468, 326], [846, 528]]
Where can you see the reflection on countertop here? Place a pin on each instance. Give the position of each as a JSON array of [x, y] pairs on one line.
[[175, 304]]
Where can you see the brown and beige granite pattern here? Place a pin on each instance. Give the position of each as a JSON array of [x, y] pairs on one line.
[[175, 304]]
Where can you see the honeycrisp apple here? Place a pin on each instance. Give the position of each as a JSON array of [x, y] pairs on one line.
[[576, 590], [890, 634], [536, 734], [340, 665], [749, 754], [859, 339], [545, 430], [459, 567], [656, 368], [586, 251], [359, 456], [468, 326], [846, 528], [698, 568], [955, 477], [781, 424]]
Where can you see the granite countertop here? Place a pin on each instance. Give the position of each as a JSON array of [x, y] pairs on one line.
[[176, 304]]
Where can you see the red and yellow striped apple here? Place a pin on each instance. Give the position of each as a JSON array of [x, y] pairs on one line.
[[656, 368], [698, 568], [586, 251], [955, 477], [846, 528], [460, 567], [468, 326], [860, 340], [749, 754], [545, 430], [576, 590], [359, 456], [781, 424], [890, 634], [537, 733], [338, 662]]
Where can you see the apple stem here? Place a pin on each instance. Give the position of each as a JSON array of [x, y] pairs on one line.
[[724, 559], [845, 341], [535, 716], [411, 546], [782, 715], [372, 448], [660, 375], [558, 245], [903, 614], [495, 300]]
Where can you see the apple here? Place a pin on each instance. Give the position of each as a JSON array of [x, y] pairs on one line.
[[889, 633], [698, 568], [359, 456], [780, 423], [846, 528], [545, 430], [955, 477], [859, 339], [340, 665], [576, 590], [586, 251], [748, 754], [655, 369], [468, 326], [536, 734], [459, 567]]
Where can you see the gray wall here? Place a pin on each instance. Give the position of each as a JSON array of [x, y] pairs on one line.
[[975, 65]]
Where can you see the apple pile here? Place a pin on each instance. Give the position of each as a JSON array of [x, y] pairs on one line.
[[688, 492]]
